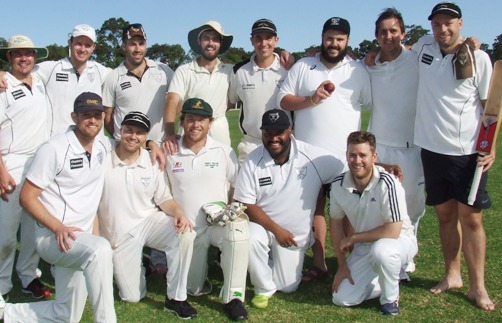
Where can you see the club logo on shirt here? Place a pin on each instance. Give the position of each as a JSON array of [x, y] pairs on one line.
[[301, 172], [62, 77], [125, 85], [76, 163], [101, 157], [145, 181], [18, 94], [264, 181], [211, 164], [248, 86], [178, 167], [91, 76], [313, 67], [427, 59], [373, 199], [156, 75]]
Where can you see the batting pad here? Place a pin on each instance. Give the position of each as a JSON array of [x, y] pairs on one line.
[[234, 258]]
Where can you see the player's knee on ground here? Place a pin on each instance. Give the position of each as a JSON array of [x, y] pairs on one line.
[[7, 249], [347, 295]]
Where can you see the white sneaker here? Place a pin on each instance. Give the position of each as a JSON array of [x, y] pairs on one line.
[[2, 306], [410, 267], [38, 273], [404, 277]]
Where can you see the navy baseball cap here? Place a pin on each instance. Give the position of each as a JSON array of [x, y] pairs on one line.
[[447, 8], [263, 26], [137, 119], [337, 23], [88, 101], [275, 119]]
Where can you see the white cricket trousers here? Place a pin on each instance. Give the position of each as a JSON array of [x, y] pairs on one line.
[[375, 271], [246, 146], [13, 217], [157, 231], [272, 267], [86, 268]]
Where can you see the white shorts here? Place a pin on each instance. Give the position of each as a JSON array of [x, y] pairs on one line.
[[413, 176]]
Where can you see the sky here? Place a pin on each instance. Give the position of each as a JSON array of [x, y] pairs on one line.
[[299, 23]]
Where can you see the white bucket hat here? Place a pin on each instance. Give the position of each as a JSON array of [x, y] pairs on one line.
[[193, 36], [22, 42]]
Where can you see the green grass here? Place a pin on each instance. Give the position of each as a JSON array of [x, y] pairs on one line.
[[312, 303]]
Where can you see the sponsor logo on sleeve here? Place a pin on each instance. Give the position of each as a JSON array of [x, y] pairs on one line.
[[62, 77], [125, 85], [18, 94], [427, 59], [76, 163], [265, 181]]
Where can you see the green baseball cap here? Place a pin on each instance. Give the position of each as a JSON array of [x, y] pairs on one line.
[[197, 106]]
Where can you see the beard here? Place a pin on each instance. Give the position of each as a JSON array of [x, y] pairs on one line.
[[209, 57], [330, 59]]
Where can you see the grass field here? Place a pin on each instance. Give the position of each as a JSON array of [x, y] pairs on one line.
[[312, 302]]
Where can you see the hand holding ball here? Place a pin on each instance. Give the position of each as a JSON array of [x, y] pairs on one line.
[[329, 87]]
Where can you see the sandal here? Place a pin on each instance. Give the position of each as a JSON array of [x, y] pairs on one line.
[[314, 274]]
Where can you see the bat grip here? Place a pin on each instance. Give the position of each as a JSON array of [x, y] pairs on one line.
[[475, 185]]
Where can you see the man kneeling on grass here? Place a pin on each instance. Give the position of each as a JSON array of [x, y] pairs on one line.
[[382, 241]]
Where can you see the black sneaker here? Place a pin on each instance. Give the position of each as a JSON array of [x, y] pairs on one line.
[[37, 289], [390, 308], [235, 310], [182, 309]]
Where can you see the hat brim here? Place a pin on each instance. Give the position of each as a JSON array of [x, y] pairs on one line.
[[193, 39], [41, 52]]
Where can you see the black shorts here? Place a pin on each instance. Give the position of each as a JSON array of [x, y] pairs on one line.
[[448, 177]]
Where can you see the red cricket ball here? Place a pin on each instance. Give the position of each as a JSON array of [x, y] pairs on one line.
[[330, 87]]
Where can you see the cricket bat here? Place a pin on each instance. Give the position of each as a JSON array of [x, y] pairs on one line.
[[490, 125]]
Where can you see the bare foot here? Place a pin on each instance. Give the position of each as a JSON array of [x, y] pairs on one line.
[[482, 300], [446, 284]]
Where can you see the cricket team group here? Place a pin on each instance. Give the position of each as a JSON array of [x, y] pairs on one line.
[[88, 203]]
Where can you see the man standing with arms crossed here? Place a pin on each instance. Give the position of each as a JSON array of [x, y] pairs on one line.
[[205, 77], [449, 112], [322, 118], [137, 84], [396, 68], [256, 83], [24, 126], [137, 210], [62, 192], [201, 172]]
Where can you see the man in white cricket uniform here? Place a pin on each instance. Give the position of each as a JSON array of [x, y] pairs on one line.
[[449, 112], [325, 119], [137, 210], [203, 171], [62, 192], [256, 83], [24, 126], [206, 77], [68, 77], [138, 84], [397, 69], [279, 183], [383, 239]]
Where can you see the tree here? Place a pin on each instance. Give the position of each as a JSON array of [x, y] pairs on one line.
[[174, 55], [109, 41], [413, 33], [497, 48], [4, 66], [57, 52], [235, 55], [364, 47]]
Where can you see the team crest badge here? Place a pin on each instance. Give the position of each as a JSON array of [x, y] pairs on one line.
[[301, 172], [91, 77], [273, 117], [145, 181]]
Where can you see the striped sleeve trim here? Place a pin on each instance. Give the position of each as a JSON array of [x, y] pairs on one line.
[[392, 195]]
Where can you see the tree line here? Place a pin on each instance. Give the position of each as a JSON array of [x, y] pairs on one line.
[[109, 40]]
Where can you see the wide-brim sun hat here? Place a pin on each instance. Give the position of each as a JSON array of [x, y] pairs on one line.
[[22, 42], [194, 34]]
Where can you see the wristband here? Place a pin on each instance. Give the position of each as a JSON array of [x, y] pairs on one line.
[[312, 100], [148, 141]]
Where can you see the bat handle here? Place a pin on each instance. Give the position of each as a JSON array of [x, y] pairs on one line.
[[475, 185]]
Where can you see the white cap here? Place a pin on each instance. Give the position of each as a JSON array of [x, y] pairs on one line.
[[84, 30]]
